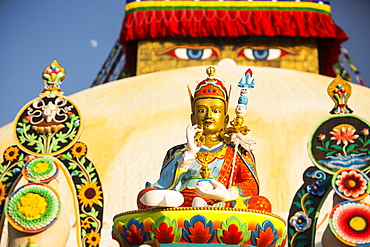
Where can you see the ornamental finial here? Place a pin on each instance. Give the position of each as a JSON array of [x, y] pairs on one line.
[[53, 76], [339, 91], [211, 71]]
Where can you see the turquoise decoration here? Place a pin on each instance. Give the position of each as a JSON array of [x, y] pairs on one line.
[[247, 80]]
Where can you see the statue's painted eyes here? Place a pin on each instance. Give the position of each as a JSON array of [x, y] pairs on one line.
[[216, 111], [187, 52], [202, 110], [264, 53]]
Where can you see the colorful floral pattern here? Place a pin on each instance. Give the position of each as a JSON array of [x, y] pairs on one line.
[[88, 189], [344, 135], [350, 223], [134, 233], [351, 184], [89, 194], [79, 149], [49, 127], [213, 226], [41, 169], [198, 231], [11, 153], [265, 235], [316, 188], [165, 230], [341, 142], [2, 193], [233, 232], [93, 238], [33, 207], [300, 221]]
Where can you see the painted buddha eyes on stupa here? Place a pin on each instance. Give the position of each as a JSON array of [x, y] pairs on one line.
[[262, 53], [189, 52], [257, 53]]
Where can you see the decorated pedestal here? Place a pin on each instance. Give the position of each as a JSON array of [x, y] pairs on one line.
[[201, 226]]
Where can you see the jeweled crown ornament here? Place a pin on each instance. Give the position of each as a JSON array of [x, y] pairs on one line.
[[339, 91], [210, 87], [53, 76]]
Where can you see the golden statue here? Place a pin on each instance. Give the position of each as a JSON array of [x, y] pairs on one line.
[[207, 170]]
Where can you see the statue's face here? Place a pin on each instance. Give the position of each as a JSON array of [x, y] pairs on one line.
[[210, 115]]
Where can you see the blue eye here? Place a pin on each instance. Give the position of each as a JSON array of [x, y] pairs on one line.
[[261, 54], [264, 53], [194, 53], [186, 52]]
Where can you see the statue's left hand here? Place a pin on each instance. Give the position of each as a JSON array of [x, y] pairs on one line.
[[219, 191]]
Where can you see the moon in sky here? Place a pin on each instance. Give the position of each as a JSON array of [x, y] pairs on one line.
[[94, 43]]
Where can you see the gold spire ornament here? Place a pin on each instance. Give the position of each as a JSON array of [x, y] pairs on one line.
[[339, 91], [53, 76], [211, 71]]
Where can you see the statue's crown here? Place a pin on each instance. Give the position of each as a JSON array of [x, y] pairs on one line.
[[209, 88]]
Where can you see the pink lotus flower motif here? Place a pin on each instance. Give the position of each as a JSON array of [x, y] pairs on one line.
[[345, 135], [351, 184], [365, 131]]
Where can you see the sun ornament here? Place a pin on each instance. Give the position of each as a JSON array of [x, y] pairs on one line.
[[33, 207], [11, 153], [42, 169], [89, 194], [351, 184], [79, 149], [350, 223]]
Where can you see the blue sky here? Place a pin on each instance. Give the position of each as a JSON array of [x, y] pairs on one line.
[[34, 33]]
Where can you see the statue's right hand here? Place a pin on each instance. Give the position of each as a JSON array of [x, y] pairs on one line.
[[191, 130]]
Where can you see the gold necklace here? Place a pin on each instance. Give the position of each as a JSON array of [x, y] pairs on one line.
[[205, 158]]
